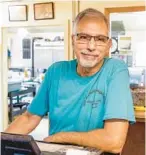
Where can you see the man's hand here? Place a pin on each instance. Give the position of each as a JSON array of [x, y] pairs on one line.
[[109, 139], [56, 138], [65, 137]]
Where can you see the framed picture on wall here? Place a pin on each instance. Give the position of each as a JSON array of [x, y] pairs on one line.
[[43, 11], [18, 12], [124, 43]]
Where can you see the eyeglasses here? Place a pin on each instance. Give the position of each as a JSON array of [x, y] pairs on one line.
[[100, 40]]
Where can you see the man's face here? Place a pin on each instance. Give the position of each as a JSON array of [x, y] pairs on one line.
[[89, 50]]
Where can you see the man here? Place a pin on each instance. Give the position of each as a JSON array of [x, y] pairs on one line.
[[88, 99]]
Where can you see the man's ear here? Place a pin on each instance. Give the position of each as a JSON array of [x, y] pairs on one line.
[[110, 43], [73, 39], [108, 48]]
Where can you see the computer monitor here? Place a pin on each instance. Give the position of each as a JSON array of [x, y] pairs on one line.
[[14, 144]]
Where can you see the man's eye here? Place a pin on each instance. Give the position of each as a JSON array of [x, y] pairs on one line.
[[101, 39], [83, 37]]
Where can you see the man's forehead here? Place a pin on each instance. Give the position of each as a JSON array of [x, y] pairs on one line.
[[92, 26]]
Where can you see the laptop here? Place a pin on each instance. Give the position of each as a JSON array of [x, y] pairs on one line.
[[16, 144]]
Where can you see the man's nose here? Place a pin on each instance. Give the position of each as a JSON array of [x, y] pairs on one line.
[[91, 44]]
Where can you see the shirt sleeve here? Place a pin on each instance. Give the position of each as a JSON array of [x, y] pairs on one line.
[[40, 103], [118, 102]]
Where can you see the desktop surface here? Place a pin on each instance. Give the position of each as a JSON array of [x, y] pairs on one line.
[[15, 144]]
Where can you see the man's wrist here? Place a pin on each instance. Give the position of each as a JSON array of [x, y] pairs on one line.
[[74, 137]]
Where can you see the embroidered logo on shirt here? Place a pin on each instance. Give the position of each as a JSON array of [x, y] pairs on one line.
[[94, 97]]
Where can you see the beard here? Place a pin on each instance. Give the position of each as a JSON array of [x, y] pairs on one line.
[[87, 63]]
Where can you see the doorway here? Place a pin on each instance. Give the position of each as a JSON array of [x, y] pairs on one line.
[[27, 54]]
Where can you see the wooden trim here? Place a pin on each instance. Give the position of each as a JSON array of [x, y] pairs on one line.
[[141, 120], [107, 11], [75, 11], [4, 80]]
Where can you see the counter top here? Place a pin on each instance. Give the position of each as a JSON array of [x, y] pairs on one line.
[[140, 116], [69, 149]]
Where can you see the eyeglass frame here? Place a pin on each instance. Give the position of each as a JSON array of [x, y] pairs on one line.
[[90, 36]]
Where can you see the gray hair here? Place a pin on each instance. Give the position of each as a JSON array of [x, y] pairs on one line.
[[90, 12]]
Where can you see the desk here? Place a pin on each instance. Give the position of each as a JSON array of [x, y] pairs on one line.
[[135, 142], [19, 104], [63, 149], [69, 149], [25, 144]]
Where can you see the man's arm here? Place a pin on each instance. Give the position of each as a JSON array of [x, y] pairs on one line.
[[110, 139], [24, 124]]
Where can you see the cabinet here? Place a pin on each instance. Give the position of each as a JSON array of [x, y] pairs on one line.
[[135, 143], [46, 54]]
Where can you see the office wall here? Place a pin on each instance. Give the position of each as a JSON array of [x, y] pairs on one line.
[[64, 10], [101, 5], [63, 16], [1, 107]]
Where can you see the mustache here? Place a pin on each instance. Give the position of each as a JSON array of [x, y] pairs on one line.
[[86, 52]]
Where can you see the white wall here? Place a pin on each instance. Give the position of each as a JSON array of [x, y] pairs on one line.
[[1, 105], [135, 27], [102, 4], [42, 56], [60, 13], [138, 47], [17, 60]]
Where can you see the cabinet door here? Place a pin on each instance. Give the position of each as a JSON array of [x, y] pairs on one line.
[[135, 143]]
